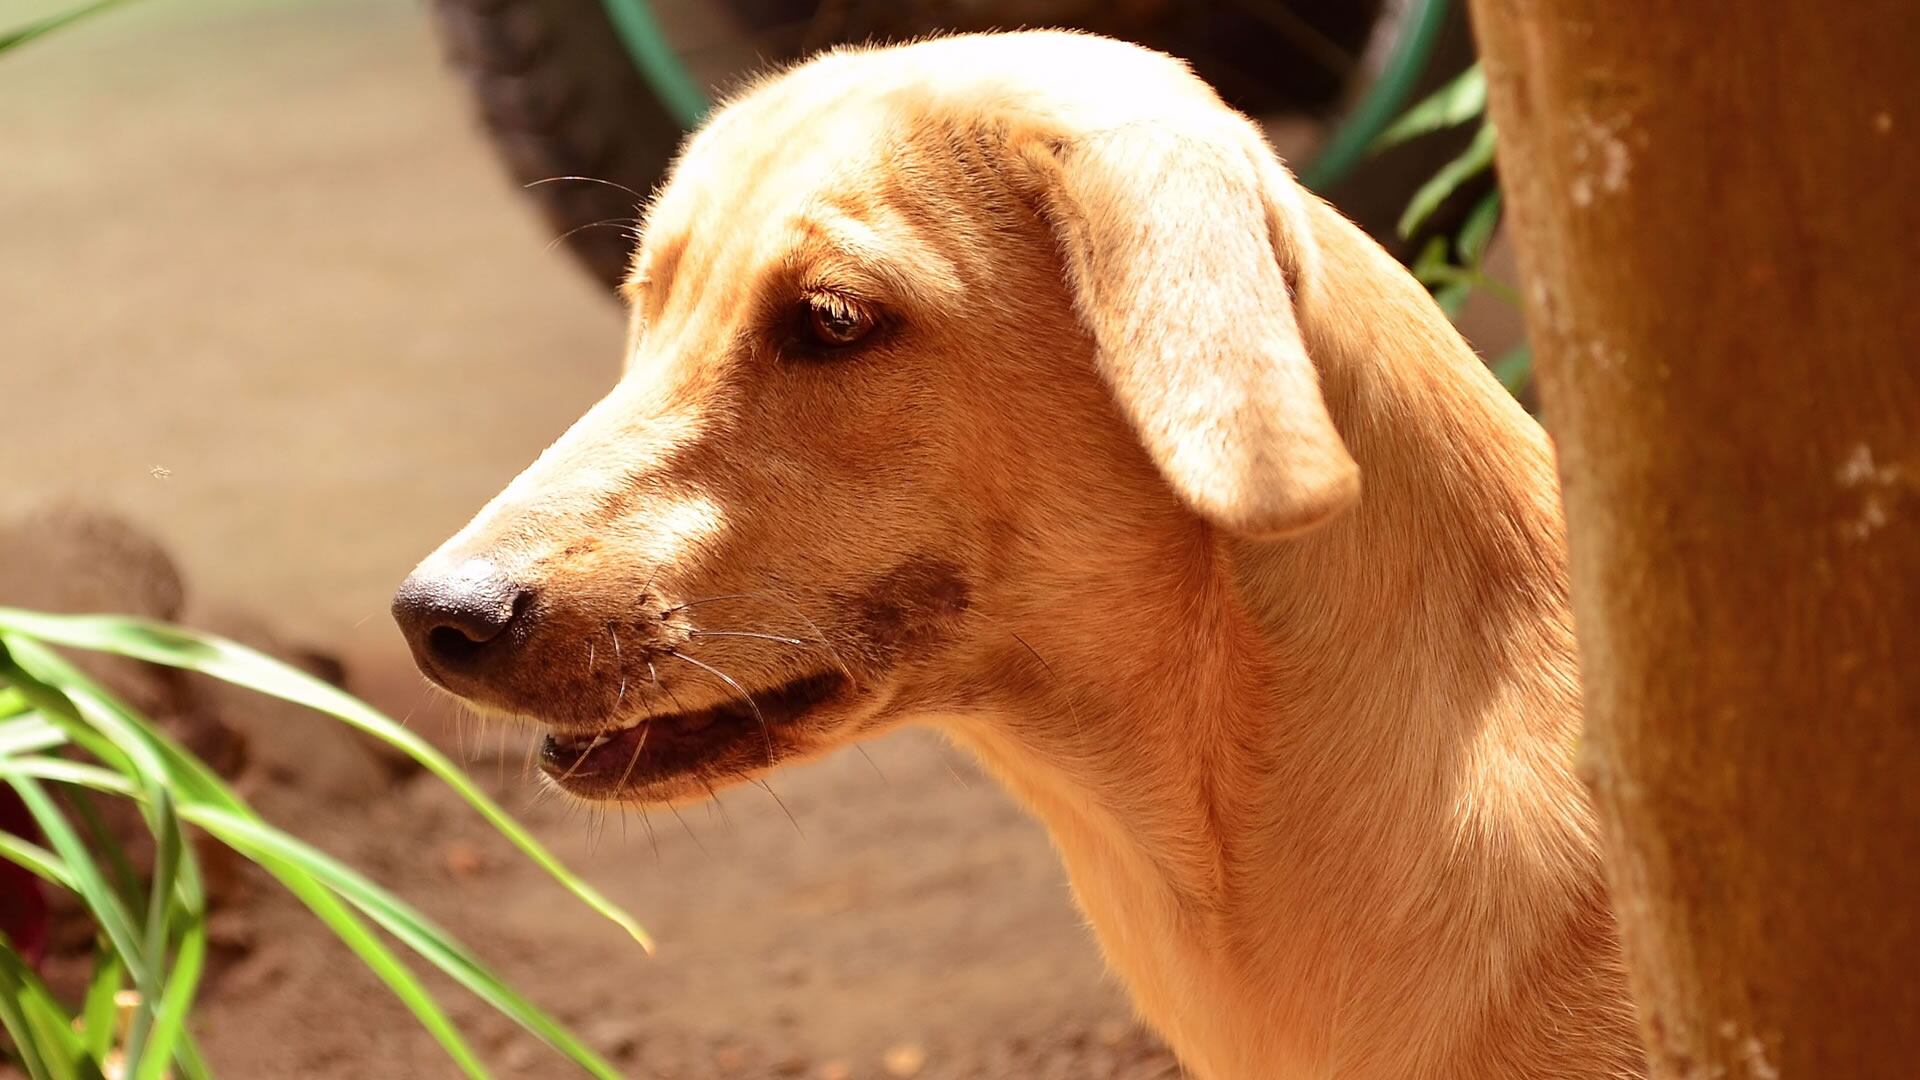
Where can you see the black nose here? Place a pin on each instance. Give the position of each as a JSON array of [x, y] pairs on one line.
[[458, 621]]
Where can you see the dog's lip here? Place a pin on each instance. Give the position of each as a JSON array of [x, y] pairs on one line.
[[608, 763]]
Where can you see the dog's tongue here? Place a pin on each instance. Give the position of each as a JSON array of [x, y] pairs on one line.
[[583, 758]]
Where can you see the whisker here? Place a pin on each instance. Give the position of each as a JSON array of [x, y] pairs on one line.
[[653, 840], [645, 730], [792, 605], [875, 764], [500, 756], [1066, 696], [765, 732], [678, 705], [768, 788], [541, 795], [562, 238], [749, 634], [714, 803], [563, 777], [820, 636], [684, 605], [586, 180], [619, 664], [596, 821], [691, 835]]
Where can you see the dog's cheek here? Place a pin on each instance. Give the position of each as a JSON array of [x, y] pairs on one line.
[[910, 610]]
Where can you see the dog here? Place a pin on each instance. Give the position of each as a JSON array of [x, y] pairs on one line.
[[1008, 384]]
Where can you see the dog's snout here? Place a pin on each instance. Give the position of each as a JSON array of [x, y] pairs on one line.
[[458, 621]]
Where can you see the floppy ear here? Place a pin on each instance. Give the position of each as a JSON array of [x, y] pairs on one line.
[[1169, 238]]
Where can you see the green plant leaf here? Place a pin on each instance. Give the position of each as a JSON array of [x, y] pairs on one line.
[[99, 1012], [150, 1042], [1476, 233], [41, 862], [29, 733], [226, 660], [101, 841], [1460, 100], [20, 35], [1452, 297], [257, 841], [379, 959], [1514, 367], [203, 799], [1477, 157], [101, 898], [327, 907], [12, 703], [1431, 260], [169, 1023], [41, 1029]]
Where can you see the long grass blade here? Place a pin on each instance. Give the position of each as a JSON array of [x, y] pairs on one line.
[[1476, 157], [1460, 100], [172, 861], [99, 1012], [29, 733], [20, 35], [380, 960], [37, 860], [169, 1023], [402, 920], [226, 660], [14, 1019], [42, 1033], [100, 897], [327, 907]]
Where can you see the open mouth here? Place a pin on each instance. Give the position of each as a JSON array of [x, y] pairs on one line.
[[729, 737]]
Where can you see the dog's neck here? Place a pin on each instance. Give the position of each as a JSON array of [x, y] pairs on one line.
[[1335, 773]]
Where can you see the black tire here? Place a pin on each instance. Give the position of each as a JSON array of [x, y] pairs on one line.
[[559, 97]]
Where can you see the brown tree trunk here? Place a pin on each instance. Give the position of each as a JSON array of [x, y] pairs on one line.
[[1717, 208]]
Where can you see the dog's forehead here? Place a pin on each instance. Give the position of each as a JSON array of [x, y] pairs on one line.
[[752, 175], [774, 152]]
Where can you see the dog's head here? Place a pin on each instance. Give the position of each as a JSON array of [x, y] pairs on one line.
[[924, 342]]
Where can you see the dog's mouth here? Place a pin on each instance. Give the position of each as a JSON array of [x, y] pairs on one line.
[[716, 742]]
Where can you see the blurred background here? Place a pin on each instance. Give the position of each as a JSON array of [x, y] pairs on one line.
[[279, 315]]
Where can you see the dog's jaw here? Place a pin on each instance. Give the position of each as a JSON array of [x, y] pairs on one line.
[[658, 758]]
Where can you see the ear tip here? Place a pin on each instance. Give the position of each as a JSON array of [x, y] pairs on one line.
[[1310, 499]]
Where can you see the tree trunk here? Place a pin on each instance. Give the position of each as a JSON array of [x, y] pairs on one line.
[[1717, 210]]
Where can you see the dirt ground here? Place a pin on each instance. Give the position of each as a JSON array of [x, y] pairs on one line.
[[265, 292]]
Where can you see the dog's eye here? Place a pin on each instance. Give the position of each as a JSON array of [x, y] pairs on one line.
[[829, 321]]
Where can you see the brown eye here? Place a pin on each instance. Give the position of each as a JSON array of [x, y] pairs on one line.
[[834, 322]]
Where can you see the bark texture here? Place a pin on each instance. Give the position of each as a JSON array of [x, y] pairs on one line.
[[1717, 209]]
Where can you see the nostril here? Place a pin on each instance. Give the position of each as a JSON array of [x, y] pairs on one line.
[[451, 644], [453, 621]]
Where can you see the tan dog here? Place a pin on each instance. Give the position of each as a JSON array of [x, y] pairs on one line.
[[1009, 385]]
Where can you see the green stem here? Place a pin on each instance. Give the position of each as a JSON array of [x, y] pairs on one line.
[[1381, 103]]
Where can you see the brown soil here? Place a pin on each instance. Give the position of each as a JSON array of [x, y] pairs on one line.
[[886, 914]]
